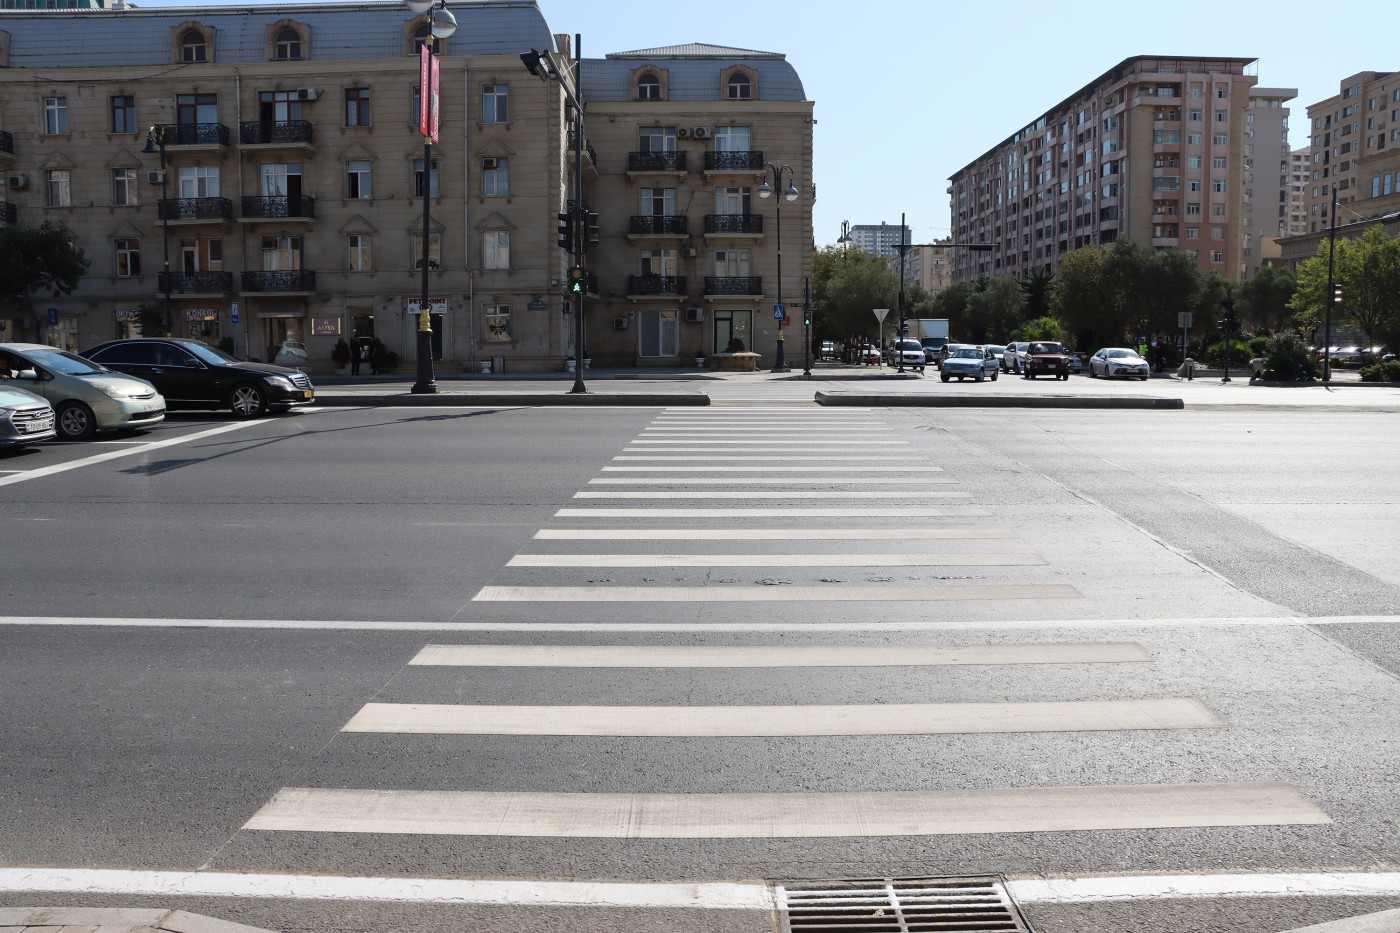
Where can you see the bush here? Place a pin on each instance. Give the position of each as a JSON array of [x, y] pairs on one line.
[[226, 344], [1387, 371], [735, 345], [1286, 358], [388, 359], [1239, 354], [340, 353], [1258, 346]]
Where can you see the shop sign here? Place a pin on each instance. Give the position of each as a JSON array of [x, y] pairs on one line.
[[325, 326], [537, 305], [415, 305], [201, 314], [126, 314]]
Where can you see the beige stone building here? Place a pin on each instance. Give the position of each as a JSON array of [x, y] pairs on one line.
[[1267, 175], [1355, 152], [292, 197], [1153, 149]]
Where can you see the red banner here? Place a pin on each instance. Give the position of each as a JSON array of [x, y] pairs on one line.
[[427, 92]]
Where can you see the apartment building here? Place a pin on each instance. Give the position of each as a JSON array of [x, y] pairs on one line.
[[1267, 175], [1355, 151], [290, 208], [1153, 149], [880, 239], [1299, 176]]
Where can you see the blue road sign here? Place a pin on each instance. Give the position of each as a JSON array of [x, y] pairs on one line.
[[778, 313], [53, 315]]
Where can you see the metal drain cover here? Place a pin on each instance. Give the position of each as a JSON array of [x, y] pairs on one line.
[[900, 905]]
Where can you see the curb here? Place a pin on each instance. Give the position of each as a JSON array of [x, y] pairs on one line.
[[999, 401], [511, 399], [116, 920]]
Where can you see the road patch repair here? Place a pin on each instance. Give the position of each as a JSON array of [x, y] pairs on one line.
[[909, 400]]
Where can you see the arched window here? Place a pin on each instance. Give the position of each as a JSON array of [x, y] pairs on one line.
[[648, 87], [288, 45], [739, 87], [420, 35], [193, 48]]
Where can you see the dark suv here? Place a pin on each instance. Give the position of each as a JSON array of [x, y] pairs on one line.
[[1045, 358], [192, 374]]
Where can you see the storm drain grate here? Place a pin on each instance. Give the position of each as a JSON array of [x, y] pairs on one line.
[[900, 905]]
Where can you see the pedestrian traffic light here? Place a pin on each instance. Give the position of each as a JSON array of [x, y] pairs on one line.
[[575, 281], [806, 317], [566, 230], [591, 222]]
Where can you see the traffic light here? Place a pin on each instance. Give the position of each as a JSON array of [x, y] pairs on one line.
[[1337, 294], [575, 281], [806, 317], [591, 221], [566, 231]]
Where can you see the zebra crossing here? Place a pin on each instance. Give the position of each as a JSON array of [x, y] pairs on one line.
[[844, 459]]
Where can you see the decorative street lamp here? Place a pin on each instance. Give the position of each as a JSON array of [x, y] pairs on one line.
[[155, 142], [1334, 291], [441, 24], [789, 194], [845, 239]]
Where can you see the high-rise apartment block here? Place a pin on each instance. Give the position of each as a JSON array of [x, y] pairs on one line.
[[1355, 151], [1154, 149], [1299, 175], [880, 239], [1266, 182]]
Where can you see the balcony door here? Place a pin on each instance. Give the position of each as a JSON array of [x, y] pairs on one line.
[[277, 107], [734, 201], [281, 253], [656, 139], [658, 333], [195, 109]]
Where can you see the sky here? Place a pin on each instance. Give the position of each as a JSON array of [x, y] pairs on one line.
[[907, 92]]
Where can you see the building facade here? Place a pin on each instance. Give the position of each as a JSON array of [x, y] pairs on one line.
[[1153, 149], [1267, 175], [1299, 175], [290, 209], [880, 239], [1355, 152]]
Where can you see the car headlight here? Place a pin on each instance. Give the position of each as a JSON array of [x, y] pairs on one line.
[[281, 382], [111, 390]]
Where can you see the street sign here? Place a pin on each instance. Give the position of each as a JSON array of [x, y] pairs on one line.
[[1183, 320], [53, 315], [880, 314], [784, 322], [778, 313], [233, 312]]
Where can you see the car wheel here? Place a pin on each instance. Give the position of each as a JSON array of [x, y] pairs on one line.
[[76, 422], [995, 373], [247, 401], [945, 377], [980, 377]]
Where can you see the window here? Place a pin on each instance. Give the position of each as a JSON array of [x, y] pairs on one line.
[[496, 322], [1222, 92], [358, 184], [195, 109], [740, 88], [658, 333], [657, 202], [1222, 116], [357, 106], [418, 179], [1217, 255], [357, 257], [1195, 114], [199, 181], [128, 254], [1193, 209], [648, 87], [1193, 185], [495, 103], [732, 200], [1220, 139], [288, 48], [58, 188], [732, 262], [1217, 233], [495, 177], [434, 250], [1166, 183], [281, 253], [125, 193], [55, 115], [656, 139], [1193, 161], [1193, 139], [1217, 162], [1217, 210], [201, 255], [280, 179], [193, 48], [1218, 185], [1193, 233], [123, 114], [495, 249]]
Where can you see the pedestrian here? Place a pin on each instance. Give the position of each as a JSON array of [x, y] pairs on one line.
[[374, 356], [356, 351]]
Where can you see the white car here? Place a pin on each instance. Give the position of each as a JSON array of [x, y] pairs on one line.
[[1014, 356], [909, 353], [969, 362], [1121, 362]]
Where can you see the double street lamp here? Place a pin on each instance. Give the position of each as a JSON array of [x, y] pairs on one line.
[[903, 248], [789, 194], [155, 142]]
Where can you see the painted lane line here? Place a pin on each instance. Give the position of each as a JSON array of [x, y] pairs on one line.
[[772, 449], [796, 815], [748, 437], [756, 721], [40, 472], [776, 560], [766, 439], [773, 459], [769, 534], [774, 594], [842, 494], [910, 512], [756, 469], [764, 480], [766, 656], [1104, 888]]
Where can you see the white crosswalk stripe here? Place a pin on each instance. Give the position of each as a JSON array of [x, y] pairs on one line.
[[807, 494]]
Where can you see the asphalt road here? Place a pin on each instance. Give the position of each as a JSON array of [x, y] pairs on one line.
[[190, 627]]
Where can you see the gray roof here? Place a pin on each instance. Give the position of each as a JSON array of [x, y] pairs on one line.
[[694, 50], [339, 31], [693, 73]]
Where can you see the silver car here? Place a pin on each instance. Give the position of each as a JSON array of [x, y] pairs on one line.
[[25, 418], [1120, 362], [86, 396], [968, 362]]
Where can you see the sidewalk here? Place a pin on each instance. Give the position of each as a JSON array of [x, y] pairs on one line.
[[113, 920]]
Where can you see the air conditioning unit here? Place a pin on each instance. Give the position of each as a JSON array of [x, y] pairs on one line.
[[620, 322], [690, 252], [308, 93], [694, 315], [490, 164], [18, 181], [683, 132], [155, 176], [700, 132]]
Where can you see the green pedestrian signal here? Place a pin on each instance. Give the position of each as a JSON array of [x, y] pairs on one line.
[[575, 281]]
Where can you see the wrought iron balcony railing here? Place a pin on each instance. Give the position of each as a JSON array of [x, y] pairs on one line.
[[272, 208], [672, 224], [656, 285], [257, 133], [192, 282], [194, 134], [7, 142], [733, 223], [196, 209], [656, 161], [749, 161], [289, 280], [733, 285], [587, 146]]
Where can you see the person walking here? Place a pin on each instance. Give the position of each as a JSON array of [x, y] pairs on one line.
[[356, 352], [374, 356]]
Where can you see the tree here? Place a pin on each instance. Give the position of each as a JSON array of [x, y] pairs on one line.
[[847, 286], [1035, 285], [37, 260], [1368, 270], [994, 312], [1083, 299], [1262, 301]]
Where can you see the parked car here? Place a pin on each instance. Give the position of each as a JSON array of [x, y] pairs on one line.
[[968, 362], [1011, 356], [931, 347], [908, 352], [86, 396], [192, 374], [996, 350], [827, 350], [1076, 362], [1045, 358], [1118, 361], [25, 418], [870, 355], [291, 353]]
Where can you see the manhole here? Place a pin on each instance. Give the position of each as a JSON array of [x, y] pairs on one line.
[[900, 905]]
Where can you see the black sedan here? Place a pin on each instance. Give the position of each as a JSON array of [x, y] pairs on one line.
[[192, 374]]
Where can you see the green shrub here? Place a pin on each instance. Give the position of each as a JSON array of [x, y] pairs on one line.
[[1387, 371], [1258, 346], [1239, 354], [340, 353], [1287, 359]]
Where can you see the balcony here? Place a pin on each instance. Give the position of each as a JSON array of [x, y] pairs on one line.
[[642, 286], [587, 147], [196, 210], [8, 213], [207, 136], [651, 163], [7, 144], [197, 283], [297, 134], [668, 225], [285, 282], [733, 225], [281, 207], [744, 162], [731, 285]]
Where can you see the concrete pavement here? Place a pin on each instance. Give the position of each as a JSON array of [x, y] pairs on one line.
[[113, 920]]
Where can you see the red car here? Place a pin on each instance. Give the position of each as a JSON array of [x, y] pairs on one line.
[[1046, 358]]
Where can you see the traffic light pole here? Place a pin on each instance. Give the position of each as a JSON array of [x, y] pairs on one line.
[[806, 328]]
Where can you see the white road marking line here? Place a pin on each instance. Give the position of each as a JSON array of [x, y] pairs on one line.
[[771, 449], [772, 594], [776, 560], [843, 494], [769, 534], [755, 721], [1101, 888], [774, 459], [796, 815], [721, 412], [742, 656], [768, 481], [125, 452], [758, 469], [744, 437], [909, 512], [834, 442]]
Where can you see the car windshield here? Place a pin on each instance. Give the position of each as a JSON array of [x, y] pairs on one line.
[[1120, 354], [968, 353], [61, 361], [1047, 348], [209, 354], [910, 345]]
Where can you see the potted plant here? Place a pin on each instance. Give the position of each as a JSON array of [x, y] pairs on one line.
[[388, 359], [340, 353]]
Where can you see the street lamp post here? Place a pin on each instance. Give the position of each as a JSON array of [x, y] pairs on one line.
[[845, 239], [155, 142], [1333, 291], [441, 24], [789, 194]]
